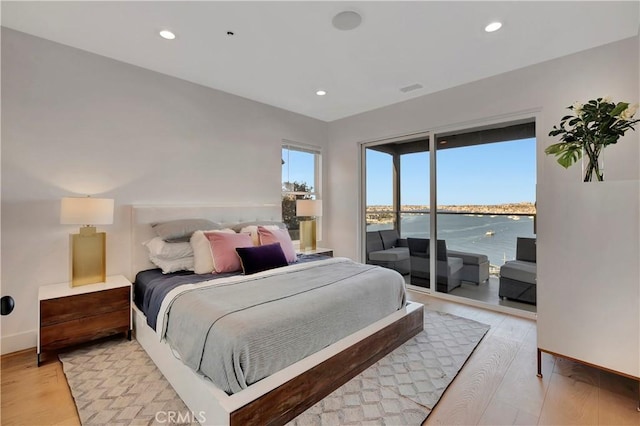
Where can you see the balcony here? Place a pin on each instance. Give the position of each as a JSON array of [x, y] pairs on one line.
[[492, 234]]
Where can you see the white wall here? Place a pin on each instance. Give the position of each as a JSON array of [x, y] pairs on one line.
[[548, 87], [75, 123]]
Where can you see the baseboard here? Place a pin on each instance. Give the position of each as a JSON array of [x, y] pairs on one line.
[[18, 342]]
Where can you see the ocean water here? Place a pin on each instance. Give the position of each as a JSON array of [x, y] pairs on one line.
[[493, 235]]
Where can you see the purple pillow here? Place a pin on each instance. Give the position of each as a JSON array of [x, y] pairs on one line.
[[261, 258]]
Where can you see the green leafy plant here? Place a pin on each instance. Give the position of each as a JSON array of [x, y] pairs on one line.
[[296, 191], [592, 126]]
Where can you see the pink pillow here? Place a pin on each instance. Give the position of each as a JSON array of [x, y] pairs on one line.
[[270, 236], [223, 249], [202, 257]]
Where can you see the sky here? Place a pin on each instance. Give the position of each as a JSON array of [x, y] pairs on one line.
[[298, 166], [494, 173]]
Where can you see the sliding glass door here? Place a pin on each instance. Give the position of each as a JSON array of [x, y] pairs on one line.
[[480, 183], [486, 201]]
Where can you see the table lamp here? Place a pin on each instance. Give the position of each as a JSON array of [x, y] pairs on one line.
[[310, 209], [88, 258]]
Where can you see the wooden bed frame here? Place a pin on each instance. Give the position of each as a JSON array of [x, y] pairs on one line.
[[284, 395]]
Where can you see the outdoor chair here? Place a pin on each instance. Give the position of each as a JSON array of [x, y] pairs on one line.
[[386, 248], [448, 268], [518, 277]]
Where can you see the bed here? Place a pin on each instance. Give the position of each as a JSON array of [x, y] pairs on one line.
[[293, 385]]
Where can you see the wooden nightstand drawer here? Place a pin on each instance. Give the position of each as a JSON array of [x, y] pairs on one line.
[[81, 330], [72, 315], [70, 308]]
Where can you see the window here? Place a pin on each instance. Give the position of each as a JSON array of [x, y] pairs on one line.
[[300, 180], [473, 191], [486, 194], [397, 186], [381, 210]]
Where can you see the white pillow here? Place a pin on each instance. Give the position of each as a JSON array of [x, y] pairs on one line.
[[173, 265], [159, 248], [253, 230], [202, 257], [180, 230]]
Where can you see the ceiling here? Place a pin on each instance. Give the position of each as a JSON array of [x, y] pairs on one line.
[[281, 53]]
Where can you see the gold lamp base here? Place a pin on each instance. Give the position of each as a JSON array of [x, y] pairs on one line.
[[307, 235], [88, 259]]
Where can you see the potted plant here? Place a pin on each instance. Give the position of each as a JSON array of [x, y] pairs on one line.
[[584, 134]]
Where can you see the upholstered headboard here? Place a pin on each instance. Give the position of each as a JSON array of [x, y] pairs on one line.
[[143, 216]]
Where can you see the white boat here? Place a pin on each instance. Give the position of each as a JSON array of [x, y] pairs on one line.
[[490, 233]]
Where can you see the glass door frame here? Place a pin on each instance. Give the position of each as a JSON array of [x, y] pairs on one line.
[[432, 135], [362, 228]]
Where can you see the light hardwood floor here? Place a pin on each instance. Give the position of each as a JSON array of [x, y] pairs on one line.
[[33, 395], [497, 386]]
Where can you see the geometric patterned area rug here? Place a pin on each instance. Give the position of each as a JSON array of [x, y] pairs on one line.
[[114, 382], [404, 386]]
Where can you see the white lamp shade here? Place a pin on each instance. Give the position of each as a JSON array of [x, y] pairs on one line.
[[86, 211], [309, 208]]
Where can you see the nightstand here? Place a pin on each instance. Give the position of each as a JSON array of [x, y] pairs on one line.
[[71, 315], [319, 250]]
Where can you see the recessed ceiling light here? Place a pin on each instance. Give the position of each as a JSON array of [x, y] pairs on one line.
[[494, 26], [321, 92], [166, 34], [347, 20]]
